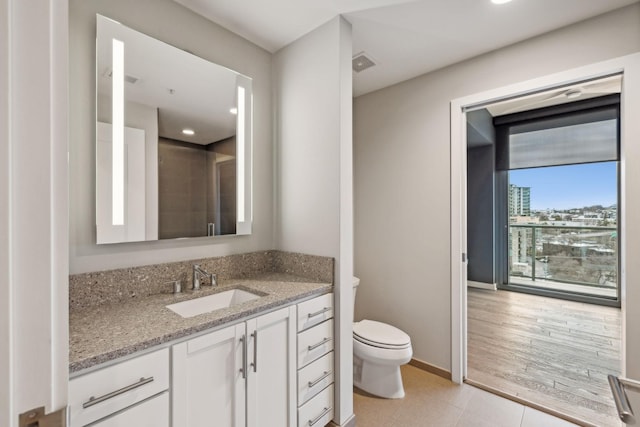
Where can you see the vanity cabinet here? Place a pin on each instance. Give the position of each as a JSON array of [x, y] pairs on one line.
[[242, 375], [315, 361], [132, 392], [151, 413], [208, 376], [275, 369]]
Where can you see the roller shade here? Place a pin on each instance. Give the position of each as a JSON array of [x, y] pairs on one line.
[[584, 136]]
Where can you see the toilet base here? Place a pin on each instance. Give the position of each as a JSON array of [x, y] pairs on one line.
[[379, 380]]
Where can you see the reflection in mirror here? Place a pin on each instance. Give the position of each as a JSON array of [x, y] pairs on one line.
[[173, 141]]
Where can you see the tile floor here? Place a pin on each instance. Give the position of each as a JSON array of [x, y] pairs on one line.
[[433, 401]]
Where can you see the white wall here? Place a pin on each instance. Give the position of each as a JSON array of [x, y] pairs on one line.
[[630, 218], [402, 176], [166, 21], [33, 213], [6, 384], [144, 117], [313, 87]]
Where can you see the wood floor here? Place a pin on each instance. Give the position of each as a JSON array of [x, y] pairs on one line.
[[552, 352]]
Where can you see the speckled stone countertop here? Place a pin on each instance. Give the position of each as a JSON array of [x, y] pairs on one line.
[[106, 332]]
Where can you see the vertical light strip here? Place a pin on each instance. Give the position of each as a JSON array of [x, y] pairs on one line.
[[117, 158], [240, 154]]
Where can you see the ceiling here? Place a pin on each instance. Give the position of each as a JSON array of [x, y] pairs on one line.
[[480, 129], [187, 91], [404, 38], [563, 95]]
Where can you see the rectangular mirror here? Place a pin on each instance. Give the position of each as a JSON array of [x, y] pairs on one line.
[[173, 141]]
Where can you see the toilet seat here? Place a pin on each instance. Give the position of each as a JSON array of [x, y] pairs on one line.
[[380, 335]]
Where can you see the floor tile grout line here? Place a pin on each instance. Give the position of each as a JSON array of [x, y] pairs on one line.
[[528, 404]]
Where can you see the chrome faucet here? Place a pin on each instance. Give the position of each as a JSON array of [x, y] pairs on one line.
[[198, 273]]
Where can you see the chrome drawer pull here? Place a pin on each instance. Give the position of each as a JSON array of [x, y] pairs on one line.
[[316, 382], [243, 340], [617, 384], [255, 351], [95, 400], [318, 313], [313, 347], [325, 411]]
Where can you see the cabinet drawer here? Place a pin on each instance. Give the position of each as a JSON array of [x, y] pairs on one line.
[[315, 377], [318, 411], [150, 413], [101, 393], [315, 342], [315, 311]]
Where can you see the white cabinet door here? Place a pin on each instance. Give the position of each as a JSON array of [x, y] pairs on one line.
[[208, 380], [151, 413], [271, 393]]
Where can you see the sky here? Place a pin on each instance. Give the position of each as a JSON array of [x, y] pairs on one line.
[[567, 187]]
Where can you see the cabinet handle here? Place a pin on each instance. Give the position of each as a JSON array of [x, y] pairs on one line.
[[95, 400], [255, 351], [313, 347], [324, 412], [317, 381], [243, 339], [319, 312], [617, 384]]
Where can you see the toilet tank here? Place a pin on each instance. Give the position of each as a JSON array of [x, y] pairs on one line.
[[356, 282]]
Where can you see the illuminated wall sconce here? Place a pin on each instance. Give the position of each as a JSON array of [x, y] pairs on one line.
[[117, 157], [240, 153]]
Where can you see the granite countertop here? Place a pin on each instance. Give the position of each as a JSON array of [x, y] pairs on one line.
[[104, 333]]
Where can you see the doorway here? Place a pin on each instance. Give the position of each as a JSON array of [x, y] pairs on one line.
[[629, 67], [552, 173]]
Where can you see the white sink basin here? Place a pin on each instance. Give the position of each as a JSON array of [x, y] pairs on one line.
[[196, 306]]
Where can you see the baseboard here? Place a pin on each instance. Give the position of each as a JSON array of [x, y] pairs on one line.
[[482, 285], [430, 368], [351, 422]]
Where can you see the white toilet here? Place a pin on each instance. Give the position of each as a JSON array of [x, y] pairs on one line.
[[378, 351]]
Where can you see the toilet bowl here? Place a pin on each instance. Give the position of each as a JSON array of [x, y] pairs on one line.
[[378, 351]]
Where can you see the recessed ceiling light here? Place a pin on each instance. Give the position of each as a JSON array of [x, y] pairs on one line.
[[233, 110], [500, 1], [188, 132]]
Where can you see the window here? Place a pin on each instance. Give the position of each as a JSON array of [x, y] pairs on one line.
[[559, 168]]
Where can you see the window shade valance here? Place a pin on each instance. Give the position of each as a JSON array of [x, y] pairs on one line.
[[588, 133]]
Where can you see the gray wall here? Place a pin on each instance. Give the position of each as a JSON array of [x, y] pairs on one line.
[[480, 218], [313, 83], [183, 190], [402, 173], [166, 21]]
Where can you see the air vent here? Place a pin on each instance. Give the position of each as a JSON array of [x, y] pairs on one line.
[[127, 77], [130, 79], [361, 62]]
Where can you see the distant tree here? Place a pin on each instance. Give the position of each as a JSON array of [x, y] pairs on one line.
[[591, 269]]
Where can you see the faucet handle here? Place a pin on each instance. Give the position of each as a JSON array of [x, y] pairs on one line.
[[195, 277], [176, 285], [214, 279]]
